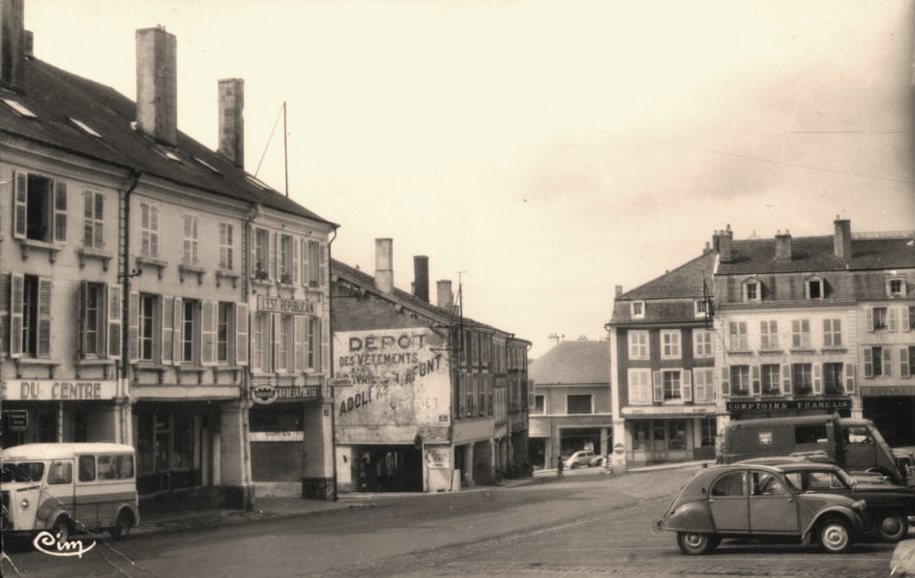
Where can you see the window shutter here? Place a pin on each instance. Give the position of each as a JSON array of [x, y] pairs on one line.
[[299, 353], [686, 385], [168, 329], [699, 384], [887, 361], [17, 289], [786, 378], [891, 318], [81, 337], [252, 252], [303, 255], [88, 214], [115, 312], [20, 209], [323, 344], [195, 240], [903, 361], [849, 378], [295, 261], [277, 328], [274, 255], [44, 317], [755, 383], [869, 316], [323, 278], [133, 326], [725, 381], [208, 332], [60, 212], [154, 230], [176, 331], [241, 334], [817, 378], [868, 362], [905, 319], [4, 314], [658, 389]]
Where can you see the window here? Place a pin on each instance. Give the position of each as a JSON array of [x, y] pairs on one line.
[[671, 381], [107, 467], [189, 324], [740, 380], [730, 485], [93, 219], [800, 333], [30, 316], [286, 243], [312, 257], [896, 287], [909, 315], [832, 333], [738, 335], [578, 404], [86, 468], [149, 230], [226, 246], [314, 343], [639, 385], [751, 291], [261, 254], [770, 379], [810, 434], [701, 307], [704, 384], [802, 378], [60, 473], [832, 378], [637, 308], [191, 254], [262, 353], [768, 334], [40, 209], [702, 343], [670, 344], [766, 484], [93, 316], [709, 431], [284, 347], [638, 345], [878, 361], [223, 331], [815, 289], [879, 322], [539, 407]]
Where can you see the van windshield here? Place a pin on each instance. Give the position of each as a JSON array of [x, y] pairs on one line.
[[22, 472]]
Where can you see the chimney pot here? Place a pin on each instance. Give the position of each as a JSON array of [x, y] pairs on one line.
[[232, 120], [384, 265], [842, 239], [445, 298], [12, 45], [421, 277], [157, 85]]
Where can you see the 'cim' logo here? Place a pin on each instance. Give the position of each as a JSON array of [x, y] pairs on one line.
[[51, 545]]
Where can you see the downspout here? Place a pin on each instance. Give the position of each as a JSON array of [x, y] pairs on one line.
[[124, 273], [330, 348], [246, 399]]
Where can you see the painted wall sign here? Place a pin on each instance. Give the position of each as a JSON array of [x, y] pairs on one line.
[[267, 393], [281, 305], [58, 390], [18, 419], [792, 404], [438, 458]]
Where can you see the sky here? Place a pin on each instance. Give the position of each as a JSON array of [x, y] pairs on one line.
[[542, 151]]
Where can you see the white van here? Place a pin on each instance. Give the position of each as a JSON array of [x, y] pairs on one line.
[[67, 487]]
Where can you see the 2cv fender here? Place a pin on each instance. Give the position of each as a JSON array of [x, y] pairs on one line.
[[689, 517]]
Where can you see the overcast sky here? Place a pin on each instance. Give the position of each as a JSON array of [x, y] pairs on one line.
[[551, 150]]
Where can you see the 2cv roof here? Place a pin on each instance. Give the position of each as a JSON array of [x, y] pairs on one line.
[[60, 451], [697, 487]]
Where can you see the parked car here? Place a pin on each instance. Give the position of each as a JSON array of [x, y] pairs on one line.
[[582, 458], [888, 505], [861, 477], [758, 502]]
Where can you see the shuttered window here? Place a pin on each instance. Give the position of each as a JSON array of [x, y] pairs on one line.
[[226, 246], [149, 230], [93, 219], [191, 253], [639, 385], [39, 208], [30, 316]]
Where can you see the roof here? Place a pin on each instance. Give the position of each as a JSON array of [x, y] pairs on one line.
[[573, 362], [441, 314], [684, 282], [56, 96], [55, 451], [817, 254]]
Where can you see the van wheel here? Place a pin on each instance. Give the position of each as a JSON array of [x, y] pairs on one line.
[[61, 529], [891, 526], [695, 544], [835, 536], [123, 525]]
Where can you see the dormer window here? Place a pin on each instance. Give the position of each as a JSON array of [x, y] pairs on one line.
[[701, 308], [815, 289], [896, 287], [752, 290], [638, 309]]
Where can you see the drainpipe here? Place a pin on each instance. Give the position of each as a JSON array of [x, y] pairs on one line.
[[330, 346], [124, 273], [246, 400]]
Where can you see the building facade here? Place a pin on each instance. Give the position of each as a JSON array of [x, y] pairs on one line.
[[571, 409]]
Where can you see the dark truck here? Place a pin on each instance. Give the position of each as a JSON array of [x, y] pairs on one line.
[[851, 443]]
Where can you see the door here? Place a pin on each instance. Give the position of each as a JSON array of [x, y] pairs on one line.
[[659, 442], [860, 448], [728, 503], [60, 489], [86, 493], [773, 507]]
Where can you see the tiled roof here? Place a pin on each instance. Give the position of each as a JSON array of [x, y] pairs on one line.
[[573, 362], [684, 282], [816, 254], [55, 96]]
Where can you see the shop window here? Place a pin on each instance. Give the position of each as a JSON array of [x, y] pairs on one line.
[[87, 468], [183, 438], [709, 431], [40, 209], [641, 435], [676, 435], [578, 404], [93, 219]]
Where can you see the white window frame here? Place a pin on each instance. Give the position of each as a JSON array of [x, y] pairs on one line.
[[700, 308], [703, 344], [638, 344], [676, 394], [93, 219], [808, 285], [227, 246], [768, 334], [313, 259], [637, 309], [639, 385], [229, 325], [190, 339], [903, 289], [777, 390], [287, 261], [260, 269], [670, 344], [55, 210], [148, 323], [733, 373], [757, 289]]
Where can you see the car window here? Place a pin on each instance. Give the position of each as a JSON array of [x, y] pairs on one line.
[[106, 468], [766, 484], [795, 480], [60, 473], [730, 485], [810, 434], [823, 481], [23, 472], [858, 435], [86, 468]]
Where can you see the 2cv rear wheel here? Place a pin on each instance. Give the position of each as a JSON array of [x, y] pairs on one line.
[[695, 544]]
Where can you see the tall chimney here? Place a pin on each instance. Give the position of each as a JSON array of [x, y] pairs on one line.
[[384, 265], [724, 245], [421, 277], [445, 298], [157, 85], [232, 120], [618, 291], [12, 45], [783, 246], [842, 241]]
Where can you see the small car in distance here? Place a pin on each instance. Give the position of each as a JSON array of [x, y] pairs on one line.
[[581, 458], [758, 502]]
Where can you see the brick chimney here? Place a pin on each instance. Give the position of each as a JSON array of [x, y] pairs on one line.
[[157, 85], [842, 240], [232, 120], [445, 298], [384, 265], [783, 246], [421, 277], [723, 242], [618, 291], [12, 45]]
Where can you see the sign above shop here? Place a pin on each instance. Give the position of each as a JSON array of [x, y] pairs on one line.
[[268, 393], [789, 404], [281, 305], [18, 419], [58, 390]]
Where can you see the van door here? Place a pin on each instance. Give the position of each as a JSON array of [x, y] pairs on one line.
[[87, 492], [58, 493], [860, 448]]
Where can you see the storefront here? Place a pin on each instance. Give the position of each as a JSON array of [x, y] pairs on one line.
[[665, 440], [787, 407], [277, 432]]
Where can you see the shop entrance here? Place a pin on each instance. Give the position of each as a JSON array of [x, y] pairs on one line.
[[893, 416], [396, 468]]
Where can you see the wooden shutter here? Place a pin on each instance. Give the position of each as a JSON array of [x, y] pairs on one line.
[[88, 219], [849, 378], [60, 212], [44, 317], [323, 344], [891, 318], [303, 255], [323, 278], [133, 326], [786, 378], [887, 361], [817, 378], [17, 295], [20, 205], [754, 380], [208, 319], [115, 313], [868, 362], [81, 333], [167, 316], [241, 334], [252, 252], [725, 381], [904, 361], [4, 315], [299, 353], [869, 318], [905, 319], [658, 383], [177, 317], [154, 230], [295, 260], [274, 256], [277, 322], [686, 385]]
